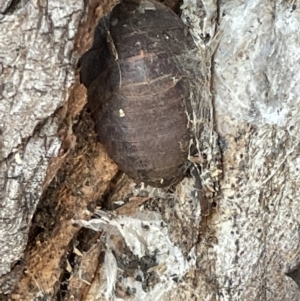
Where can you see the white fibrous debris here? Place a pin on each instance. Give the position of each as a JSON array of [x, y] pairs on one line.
[[146, 235], [199, 16]]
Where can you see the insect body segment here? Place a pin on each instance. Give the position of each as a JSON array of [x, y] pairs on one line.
[[137, 90]]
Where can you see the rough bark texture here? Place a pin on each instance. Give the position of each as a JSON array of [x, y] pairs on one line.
[[37, 41], [157, 245], [38, 60], [257, 112]]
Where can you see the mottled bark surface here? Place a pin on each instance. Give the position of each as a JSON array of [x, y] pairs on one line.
[[156, 245], [39, 43], [257, 112], [36, 72]]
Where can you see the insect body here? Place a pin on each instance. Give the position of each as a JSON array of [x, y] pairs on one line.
[[138, 90]]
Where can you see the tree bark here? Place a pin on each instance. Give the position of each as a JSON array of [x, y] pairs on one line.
[[55, 175]]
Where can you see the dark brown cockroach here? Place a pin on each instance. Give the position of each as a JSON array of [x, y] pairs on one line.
[[138, 90]]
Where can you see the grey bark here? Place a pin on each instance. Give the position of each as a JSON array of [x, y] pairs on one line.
[[255, 83], [36, 69]]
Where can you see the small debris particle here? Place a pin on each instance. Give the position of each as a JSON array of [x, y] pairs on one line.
[[146, 5], [18, 159], [121, 113]]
